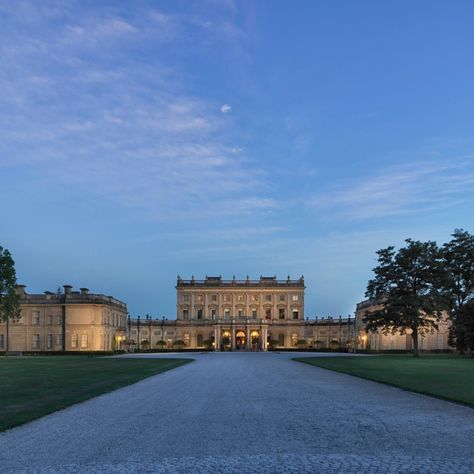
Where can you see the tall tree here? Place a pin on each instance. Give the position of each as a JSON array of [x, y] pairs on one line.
[[459, 262], [9, 300], [407, 285]]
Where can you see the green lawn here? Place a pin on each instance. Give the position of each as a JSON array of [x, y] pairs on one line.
[[449, 377], [35, 386]]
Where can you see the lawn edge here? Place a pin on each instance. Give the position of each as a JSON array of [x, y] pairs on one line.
[[401, 387], [185, 361]]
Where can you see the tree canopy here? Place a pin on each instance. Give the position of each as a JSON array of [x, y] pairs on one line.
[[407, 285]]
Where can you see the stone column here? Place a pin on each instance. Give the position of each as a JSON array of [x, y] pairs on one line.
[[233, 335], [248, 337], [264, 339]]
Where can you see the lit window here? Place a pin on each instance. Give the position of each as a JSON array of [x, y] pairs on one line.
[[74, 341], [295, 297], [49, 341], [84, 341]]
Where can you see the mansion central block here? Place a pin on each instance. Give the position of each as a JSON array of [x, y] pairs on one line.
[[241, 315]]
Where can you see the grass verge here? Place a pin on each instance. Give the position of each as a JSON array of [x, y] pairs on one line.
[[32, 387], [449, 377]]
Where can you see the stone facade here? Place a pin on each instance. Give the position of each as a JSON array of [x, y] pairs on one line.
[[70, 321], [377, 341], [241, 315]]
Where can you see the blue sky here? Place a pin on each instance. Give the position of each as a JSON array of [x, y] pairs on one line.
[[141, 140]]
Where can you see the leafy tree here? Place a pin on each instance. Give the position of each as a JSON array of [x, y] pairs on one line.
[[465, 324], [9, 300], [301, 343], [407, 285], [459, 262]]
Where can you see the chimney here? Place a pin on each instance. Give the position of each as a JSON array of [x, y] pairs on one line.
[[67, 289], [20, 290], [84, 291]]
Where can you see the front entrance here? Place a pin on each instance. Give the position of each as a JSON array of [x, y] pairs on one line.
[[240, 340]]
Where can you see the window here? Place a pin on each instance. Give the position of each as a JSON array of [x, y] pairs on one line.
[[36, 341], [254, 314], [49, 341], [226, 297], [227, 314], [254, 297], [50, 320], [185, 298], [295, 314], [213, 314], [214, 298], [240, 312], [268, 313], [281, 297], [199, 313], [134, 331], [186, 340], [268, 297], [59, 321], [295, 297], [199, 298], [2, 341], [199, 340], [74, 341], [84, 341], [281, 339], [58, 339], [240, 298], [157, 333], [185, 314], [35, 318], [281, 313]]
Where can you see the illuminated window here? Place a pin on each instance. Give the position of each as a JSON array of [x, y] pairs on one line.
[[74, 341], [295, 297], [84, 341]]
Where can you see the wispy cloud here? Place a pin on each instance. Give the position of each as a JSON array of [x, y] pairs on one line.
[[81, 109], [399, 190]]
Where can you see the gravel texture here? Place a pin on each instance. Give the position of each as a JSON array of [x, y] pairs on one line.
[[247, 412]]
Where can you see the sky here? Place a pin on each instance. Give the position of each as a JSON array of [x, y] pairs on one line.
[[142, 140]]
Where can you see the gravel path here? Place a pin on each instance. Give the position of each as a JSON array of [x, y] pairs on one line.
[[248, 412]]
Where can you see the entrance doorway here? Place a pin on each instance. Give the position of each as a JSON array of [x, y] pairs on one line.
[[240, 340], [255, 340]]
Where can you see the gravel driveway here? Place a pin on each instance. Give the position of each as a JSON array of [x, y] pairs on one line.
[[247, 412]]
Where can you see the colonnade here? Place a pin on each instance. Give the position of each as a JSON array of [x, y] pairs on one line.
[[234, 328]]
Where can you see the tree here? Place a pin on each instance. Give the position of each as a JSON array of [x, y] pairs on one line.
[[459, 262], [465, 324], [178, 344], [9, 300], [408, 286], [301, 343]]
